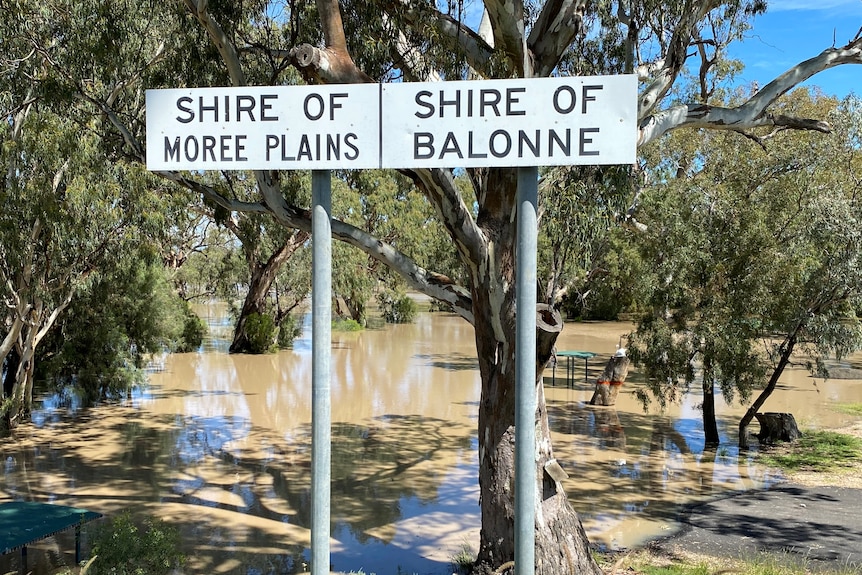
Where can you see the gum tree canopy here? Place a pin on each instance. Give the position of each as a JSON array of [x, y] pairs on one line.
[[665, 43]]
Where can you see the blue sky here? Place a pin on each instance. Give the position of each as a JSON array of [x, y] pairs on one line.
[[794, 30]]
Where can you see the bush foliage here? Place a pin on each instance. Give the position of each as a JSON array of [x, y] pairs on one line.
[[120, 547]]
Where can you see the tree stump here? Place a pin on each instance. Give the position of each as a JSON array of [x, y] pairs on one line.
[[775, 427], [549, 324], [612, 378]]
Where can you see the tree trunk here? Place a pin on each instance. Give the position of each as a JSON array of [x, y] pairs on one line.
[[710, 427], [356, 309], [610, 381], [562, 547], [776, 427], [21, 397], [260, 284], [11, 368], [786, 350], [255, 303]]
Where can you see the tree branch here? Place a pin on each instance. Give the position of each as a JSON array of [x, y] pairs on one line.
[[558, 24], [431, 284], [476, 51], [217, 34], [674, 59], [439, 187], [507, 22], [333, 63], [752, 113]]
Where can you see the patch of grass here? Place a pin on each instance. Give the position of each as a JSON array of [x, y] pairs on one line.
[[464, 560], [815, 451], [648, 562], [678, 569], [850, 408]]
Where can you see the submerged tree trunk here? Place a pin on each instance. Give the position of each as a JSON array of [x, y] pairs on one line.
[[710, 427], [259, 286], [611, 380]]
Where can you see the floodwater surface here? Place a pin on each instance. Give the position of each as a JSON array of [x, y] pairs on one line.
[[219, 445]]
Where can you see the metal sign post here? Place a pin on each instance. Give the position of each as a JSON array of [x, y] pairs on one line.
[[321, 351], [525, 373]]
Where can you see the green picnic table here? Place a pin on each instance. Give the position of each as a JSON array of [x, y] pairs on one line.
[[25, 522], [570, 356]]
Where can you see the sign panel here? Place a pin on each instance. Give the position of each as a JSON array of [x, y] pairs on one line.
[[260, 127], [506, 123], [532, 122]]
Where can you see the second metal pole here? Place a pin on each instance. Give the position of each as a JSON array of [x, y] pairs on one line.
[[321, 349], [525, 373]]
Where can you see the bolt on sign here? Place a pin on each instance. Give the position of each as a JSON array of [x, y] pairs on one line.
[[486, 123]]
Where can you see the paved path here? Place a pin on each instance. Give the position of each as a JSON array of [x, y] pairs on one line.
[[821, 526]]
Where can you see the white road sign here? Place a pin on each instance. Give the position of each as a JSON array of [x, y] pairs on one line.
[[535, 122], [258, 128], [532, 122]]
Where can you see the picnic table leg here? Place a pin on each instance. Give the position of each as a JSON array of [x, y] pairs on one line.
[[23, 567], [77, 545]]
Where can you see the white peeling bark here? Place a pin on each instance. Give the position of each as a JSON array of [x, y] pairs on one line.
[[675, 58], [753, 113], [474, 47], [558, 24], [507, 21], [222, 43]]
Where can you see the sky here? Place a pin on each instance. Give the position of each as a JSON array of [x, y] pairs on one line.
[[794, 30]]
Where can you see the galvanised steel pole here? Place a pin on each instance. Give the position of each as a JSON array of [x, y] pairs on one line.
[[525, 373], [321, 349]]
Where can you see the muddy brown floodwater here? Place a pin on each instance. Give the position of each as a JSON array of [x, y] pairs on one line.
[[219, 445]]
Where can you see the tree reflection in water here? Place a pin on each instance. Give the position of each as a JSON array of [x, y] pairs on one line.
[[219, 445]]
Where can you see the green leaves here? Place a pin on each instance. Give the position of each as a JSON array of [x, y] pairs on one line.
[[749, 244]]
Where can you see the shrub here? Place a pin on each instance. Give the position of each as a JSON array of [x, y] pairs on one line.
[[260, 329], [396, 307], [288, 331], [346, 325], [121, 548], [194, 330]]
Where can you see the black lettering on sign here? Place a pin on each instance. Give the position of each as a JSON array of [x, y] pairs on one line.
[[423, 141], [225, 148], [226, 108], [312, 147], [584, 140]]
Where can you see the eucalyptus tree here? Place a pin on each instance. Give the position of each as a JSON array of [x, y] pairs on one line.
[[75, 212], [653, 40], [69, 214], [579, 207], [756, 251], [386, 205], [417, 40]]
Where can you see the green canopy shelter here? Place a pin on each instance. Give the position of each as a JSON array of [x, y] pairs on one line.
[[25, 522]]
